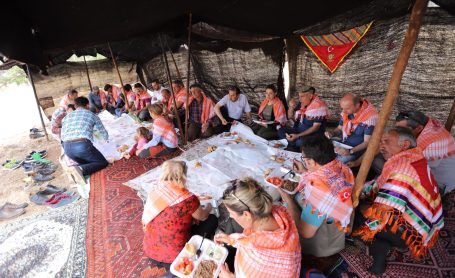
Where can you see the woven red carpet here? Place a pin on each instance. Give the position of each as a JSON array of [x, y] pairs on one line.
[[439, 261], [114, 229]]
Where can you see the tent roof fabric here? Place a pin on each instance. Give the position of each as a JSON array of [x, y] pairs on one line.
[[34, 31]]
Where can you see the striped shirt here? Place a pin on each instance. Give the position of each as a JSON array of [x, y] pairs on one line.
[[79, 124]]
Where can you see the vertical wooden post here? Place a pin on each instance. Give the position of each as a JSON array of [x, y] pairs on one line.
[[88, 75], [168, 73], [179, 76], [188, 78], [451, 118], [30, 79], [410, 38], [119, 77]]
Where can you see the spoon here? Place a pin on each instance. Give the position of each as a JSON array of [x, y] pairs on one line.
[[286, 174], [199, 251]]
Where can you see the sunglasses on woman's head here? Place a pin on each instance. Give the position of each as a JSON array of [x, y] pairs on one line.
[[302, 159], [232, 193]]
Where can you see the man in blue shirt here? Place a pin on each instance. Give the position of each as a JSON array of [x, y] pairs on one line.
[[77, 137], [310, 119], [358, 118], [94, 98]]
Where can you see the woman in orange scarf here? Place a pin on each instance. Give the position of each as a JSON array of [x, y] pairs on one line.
[[271, 110], [269, 245], [169, 214]]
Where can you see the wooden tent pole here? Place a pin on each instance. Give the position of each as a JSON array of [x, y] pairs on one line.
[[119, 77], [179, 76], [188, 78], [451, 118], [410, 38], [168, 73], [88, 75], [30, 79]]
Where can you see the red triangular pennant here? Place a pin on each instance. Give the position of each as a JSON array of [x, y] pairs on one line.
[[331, 49]]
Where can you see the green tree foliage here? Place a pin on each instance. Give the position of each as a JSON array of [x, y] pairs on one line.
[[14, 75]]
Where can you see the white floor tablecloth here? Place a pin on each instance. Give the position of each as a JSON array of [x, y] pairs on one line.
[[229, 161], [121, 132]]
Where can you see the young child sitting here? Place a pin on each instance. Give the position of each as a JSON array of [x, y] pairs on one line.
[[142, 137]]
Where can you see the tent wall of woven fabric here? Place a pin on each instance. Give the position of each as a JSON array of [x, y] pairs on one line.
[[427, 84], [72, 75], [217, 65]]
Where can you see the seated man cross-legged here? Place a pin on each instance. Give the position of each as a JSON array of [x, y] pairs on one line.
[[96, 98], [143, 99], [407, 207], [310, 118], [201, 115], [77, 136], [358, 118], [234, 105]]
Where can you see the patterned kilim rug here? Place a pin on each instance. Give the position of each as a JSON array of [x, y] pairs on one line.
[[51, 244], [114, 230], [439, 262]]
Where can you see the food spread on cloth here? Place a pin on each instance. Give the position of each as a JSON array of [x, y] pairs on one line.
[[210, 173], [121, 135]]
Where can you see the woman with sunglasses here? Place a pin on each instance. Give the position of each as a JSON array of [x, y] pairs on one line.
[[170, 214], [269, 245]]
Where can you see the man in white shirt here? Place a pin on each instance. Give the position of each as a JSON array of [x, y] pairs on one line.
[[234, 105], [157, 89]]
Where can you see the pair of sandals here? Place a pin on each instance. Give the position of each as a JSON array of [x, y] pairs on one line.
[[54, 197], [35, 133], [37, 157]]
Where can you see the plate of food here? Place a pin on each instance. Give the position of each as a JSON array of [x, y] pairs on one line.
[[229, 136], [207, 265], [277, 158], [123, 148], [278, 144], [288, 181], [211, 149], [197, 165]]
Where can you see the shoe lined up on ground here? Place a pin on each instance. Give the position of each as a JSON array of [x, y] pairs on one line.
[[36, 166], [42, 178], [12, 164], [35, 133], [54, 197], [37, 156], [45, 172], [9, 210], [43, 153]]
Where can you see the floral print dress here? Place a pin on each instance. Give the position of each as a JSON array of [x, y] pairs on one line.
[[167, 233]]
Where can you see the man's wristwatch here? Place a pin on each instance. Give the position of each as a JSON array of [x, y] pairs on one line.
[[351, 151]]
